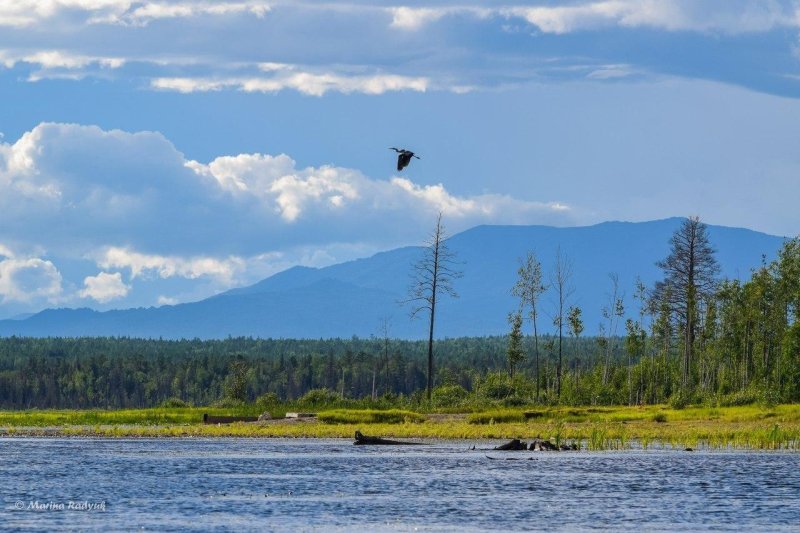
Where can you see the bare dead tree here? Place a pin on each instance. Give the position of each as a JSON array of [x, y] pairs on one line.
[[612, 312], [562, 285], [433, 276]]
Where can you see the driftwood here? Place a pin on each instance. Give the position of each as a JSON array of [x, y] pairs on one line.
[[362, 439], [540, 445], [513, 445]]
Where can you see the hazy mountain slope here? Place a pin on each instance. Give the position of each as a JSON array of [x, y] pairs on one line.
[[351, 298]]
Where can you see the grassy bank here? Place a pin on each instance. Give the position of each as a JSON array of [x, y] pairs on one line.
[[594, 428]]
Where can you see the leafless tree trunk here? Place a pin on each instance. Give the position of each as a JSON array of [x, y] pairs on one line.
[[561, 278], [612, 312], [433, 275]]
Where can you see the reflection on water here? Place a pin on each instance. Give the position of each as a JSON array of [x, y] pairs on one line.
[[270, 484]]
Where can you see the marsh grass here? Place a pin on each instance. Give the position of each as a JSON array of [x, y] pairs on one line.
[[738, 427], [370, 416]]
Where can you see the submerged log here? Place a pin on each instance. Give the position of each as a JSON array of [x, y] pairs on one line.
[[513, 445], [362, 439]]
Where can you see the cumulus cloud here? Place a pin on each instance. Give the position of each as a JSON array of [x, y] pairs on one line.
[[104, 287], [31, 280], [130, 204], [79, 188], [487, 206], [141, 264]]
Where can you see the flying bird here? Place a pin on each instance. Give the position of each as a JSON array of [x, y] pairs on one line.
[[403, 158]]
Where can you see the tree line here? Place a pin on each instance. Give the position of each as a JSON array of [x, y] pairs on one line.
[[691, 337]]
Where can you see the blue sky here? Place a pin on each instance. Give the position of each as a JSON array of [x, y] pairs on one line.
[[158, 152]]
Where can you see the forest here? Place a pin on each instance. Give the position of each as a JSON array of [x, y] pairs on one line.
[[692, 338]]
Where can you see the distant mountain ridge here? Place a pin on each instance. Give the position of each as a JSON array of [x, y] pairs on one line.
[[352, 298]]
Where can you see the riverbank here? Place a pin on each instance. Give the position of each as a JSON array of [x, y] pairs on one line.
[[593, 428]]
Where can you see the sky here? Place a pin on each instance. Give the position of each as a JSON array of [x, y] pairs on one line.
[[157, 152]]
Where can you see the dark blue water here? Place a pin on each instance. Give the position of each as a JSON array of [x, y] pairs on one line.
[[291, 485]]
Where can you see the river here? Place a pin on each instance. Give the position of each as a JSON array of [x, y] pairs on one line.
[[302, 485]]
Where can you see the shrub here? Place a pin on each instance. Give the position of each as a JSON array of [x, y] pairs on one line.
[[174, 402], [497, 386], [267, 400], [739, 398], [319, 397], [449, 395], [660, 418], [680, 400], [228, 403]]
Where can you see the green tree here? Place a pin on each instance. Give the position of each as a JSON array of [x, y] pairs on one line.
[[515, 353], [236, 383], [690, 272], [575, 325], [528, 289]]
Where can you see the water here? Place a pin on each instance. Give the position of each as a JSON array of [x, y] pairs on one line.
[[303, 485]]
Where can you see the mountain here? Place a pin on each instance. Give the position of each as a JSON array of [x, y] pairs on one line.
[[352, 298]]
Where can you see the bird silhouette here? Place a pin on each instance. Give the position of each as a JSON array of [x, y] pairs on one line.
[[403, 158]]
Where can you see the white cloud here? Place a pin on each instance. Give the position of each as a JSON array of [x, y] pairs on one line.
[[167, 300], [144, 13], [104, 287], [53, 59], [609, 72], [136, 209], [24, 13], [141, 264], [408, 18], [730, 16], [30, 280], [79, 189], [313, 84], [487, 206]]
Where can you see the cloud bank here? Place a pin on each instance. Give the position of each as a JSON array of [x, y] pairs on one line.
[[372, 48], [134, 209]]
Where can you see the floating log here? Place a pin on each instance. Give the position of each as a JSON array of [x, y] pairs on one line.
[[513, 445], [362, 439], [211, 419], [301, 415]]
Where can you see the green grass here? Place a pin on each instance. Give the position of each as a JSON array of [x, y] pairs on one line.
[[496, 416], [741, 427], [369, 416], [146, 417]]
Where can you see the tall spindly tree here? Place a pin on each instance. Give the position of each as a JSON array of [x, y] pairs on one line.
[[528, 289], [515, 353], [433, 276], [563, 289], [690, 277]]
